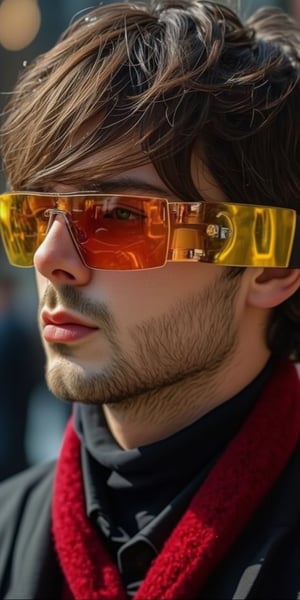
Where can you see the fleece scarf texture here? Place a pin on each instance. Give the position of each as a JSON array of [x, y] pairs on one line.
[[234, 488]]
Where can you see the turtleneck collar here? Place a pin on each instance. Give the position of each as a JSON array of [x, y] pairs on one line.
[[177, 458]]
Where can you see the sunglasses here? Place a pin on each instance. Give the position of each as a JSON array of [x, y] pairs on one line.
[[124, 232]]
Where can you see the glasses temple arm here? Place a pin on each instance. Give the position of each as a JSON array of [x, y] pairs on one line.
[[295, 255]]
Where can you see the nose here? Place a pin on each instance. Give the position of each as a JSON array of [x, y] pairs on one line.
[[57, 258]]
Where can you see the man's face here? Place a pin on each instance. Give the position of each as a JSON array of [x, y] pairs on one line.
[[111, 335]]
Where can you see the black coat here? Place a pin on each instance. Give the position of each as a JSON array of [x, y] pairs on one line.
[[264, 563]]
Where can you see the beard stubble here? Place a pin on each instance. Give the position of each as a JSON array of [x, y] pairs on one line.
[[193, 340]]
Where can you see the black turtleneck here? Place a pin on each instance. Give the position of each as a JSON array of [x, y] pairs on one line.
[[137, 496]]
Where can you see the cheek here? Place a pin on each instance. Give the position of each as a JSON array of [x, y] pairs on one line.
[[136, 297]]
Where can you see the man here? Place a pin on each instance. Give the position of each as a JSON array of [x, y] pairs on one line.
[[152, 159]]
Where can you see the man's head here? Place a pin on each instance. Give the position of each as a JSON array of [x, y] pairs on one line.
[[173, 99]]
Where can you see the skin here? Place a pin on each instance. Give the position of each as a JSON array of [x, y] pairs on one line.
[[168, 344]]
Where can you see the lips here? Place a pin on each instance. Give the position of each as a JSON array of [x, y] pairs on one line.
[[63, 327]]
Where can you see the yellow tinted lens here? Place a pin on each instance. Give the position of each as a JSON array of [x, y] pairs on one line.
[[231, 234], [23, 226]]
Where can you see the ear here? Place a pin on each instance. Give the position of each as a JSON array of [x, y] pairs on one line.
[[271, 287]]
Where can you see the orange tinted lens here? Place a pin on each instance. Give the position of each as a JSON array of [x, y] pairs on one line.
[[120, 232]]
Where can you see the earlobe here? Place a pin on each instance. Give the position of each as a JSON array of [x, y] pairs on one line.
[[271, 287]]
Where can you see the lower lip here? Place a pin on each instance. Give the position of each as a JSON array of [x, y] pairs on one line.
[[66, 333]]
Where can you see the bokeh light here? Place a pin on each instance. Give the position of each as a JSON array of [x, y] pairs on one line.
[[19, 23]]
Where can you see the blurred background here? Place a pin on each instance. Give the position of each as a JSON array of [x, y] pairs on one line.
[[31, 419]]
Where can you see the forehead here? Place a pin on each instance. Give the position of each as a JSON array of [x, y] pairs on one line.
[[143, 178], [132, 171]]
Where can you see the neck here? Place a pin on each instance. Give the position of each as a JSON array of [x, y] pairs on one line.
[[158, 414]]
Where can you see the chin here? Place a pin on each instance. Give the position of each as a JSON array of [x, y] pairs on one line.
[[73, 383]]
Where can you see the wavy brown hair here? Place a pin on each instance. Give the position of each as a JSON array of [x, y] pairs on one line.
[[177, 79]]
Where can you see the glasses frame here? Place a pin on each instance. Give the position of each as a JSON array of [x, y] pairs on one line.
[[237, 234]]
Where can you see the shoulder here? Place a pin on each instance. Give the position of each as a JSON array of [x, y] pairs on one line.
[[25, 504], [23, 487], [23, 493], [28, 565]]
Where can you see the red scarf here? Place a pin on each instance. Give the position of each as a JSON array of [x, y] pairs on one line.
[[219, 511]]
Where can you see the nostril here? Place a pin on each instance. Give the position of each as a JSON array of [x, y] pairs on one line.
[[61, 274]]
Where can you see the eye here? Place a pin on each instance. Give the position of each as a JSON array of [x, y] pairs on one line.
[[124, 214]]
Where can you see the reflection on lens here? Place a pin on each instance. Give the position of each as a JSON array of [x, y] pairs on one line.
[[123, 232]]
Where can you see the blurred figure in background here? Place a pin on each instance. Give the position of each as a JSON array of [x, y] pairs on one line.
[[18, 375]]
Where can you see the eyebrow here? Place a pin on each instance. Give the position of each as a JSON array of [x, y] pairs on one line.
[[125, 184], [122, 185]]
